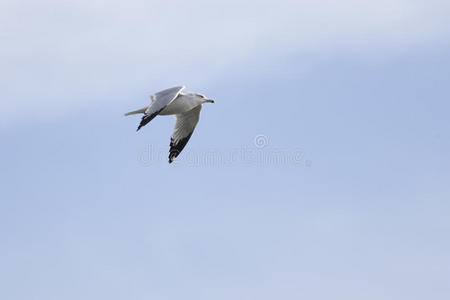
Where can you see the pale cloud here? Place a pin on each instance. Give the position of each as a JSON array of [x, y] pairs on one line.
[[62, 55]]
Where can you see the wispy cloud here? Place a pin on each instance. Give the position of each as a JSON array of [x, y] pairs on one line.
[[59, 55]]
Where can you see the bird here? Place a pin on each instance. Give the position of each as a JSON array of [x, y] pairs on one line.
[[186, 107]]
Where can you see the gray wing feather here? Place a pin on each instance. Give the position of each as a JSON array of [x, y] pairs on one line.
[[159, 101], [184, 127]]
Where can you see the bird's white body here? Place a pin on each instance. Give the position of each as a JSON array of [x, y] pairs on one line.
[[184, 102], [185, 106]]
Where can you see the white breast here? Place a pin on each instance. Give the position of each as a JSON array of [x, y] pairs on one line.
[[183, 103]]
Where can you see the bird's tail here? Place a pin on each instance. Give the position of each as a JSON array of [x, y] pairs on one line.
[[134, 112]]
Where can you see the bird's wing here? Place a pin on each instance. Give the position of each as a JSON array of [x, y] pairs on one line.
[[159, 101], [184, 127]]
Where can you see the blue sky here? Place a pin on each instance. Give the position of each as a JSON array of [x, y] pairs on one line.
[[350, 99]]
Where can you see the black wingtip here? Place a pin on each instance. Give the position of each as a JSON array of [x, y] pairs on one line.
[[142, 124], [172, 157], [147, 118]]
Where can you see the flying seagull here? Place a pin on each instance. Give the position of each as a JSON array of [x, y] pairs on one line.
[[185, 106]]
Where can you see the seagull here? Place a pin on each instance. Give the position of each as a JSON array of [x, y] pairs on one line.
[[185, 106]]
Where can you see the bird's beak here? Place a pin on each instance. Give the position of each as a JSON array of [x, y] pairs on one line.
[[210, 101]]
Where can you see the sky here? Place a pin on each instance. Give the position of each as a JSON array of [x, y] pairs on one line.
[[321, 171]]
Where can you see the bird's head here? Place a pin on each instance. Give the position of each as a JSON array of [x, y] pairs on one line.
[[204, 99]]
